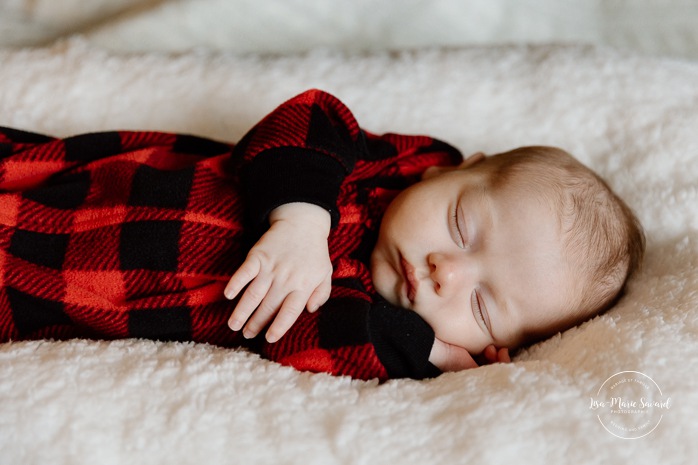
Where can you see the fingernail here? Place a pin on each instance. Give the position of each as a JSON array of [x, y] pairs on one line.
[[235, 325], [248, 334], [271, 338]]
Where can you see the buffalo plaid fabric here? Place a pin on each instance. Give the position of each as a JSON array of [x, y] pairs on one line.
[[135, 234]]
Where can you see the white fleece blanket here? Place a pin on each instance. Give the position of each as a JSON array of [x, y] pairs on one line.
[[632, 119], [282, 26]]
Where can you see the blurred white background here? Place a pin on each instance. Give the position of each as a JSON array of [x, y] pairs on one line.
[[653, 27]]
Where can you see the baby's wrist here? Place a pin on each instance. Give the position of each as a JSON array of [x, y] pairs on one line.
[[303, 214]]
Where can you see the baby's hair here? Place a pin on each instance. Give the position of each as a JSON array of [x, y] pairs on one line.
[[603, 237]]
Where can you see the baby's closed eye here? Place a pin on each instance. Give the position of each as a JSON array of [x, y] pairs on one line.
[[479, 309], [458, 227]]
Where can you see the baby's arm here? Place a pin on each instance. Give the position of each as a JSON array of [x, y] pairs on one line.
[[293, 164], [287, 270]]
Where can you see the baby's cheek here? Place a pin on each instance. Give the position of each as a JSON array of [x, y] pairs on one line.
[[455, 328], [384, 280]]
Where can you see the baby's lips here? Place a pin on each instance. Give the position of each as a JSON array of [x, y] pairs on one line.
[[412, 282]]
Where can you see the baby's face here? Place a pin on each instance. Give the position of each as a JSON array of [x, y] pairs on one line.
[[480, 266]]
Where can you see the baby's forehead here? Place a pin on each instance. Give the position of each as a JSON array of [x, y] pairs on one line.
[[527, 191]]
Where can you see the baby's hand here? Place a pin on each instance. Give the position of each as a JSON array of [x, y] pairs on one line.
[[287, 270], [494, 355], [449, 357]]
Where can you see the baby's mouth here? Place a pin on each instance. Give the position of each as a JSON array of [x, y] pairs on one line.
[[410, 281]]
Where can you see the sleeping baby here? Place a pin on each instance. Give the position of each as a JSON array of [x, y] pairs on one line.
[[312, 242]]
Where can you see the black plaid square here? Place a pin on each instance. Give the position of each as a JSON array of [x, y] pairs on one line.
[[33, 313], [152, 187], [342, 323], [88, 147], [64, 192], [164, 324], [324, 135], [40, 248], [24, 137], [150, 245], [5, 150], [198, 146]]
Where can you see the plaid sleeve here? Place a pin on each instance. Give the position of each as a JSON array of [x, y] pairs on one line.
[[300, 152], [354, 337]]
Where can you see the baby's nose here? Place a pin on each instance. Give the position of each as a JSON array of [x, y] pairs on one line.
[[448, 273]]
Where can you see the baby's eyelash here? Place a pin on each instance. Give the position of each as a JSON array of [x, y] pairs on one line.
[[475, 302], [456, 228]]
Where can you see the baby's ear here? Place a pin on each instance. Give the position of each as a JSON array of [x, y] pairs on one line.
[[472, 160], [433, 171]]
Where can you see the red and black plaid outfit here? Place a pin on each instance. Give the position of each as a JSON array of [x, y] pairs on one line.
[[135, 234]]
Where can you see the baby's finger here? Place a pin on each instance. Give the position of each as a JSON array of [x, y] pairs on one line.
[[494, 355], [320, 295], [264, 313], [249, 302], [242, 276], [288, 314], [490, 353]]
